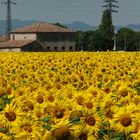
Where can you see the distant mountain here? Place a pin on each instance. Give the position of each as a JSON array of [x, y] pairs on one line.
[[16, 23], [135, 27], [77, 25]]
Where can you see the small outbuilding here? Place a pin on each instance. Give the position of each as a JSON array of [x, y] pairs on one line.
[[20, 46]]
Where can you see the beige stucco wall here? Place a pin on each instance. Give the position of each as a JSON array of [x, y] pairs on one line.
[[30, 36], [10, 50], [59, 46]]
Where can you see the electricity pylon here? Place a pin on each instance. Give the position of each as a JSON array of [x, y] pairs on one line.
[[110, 5], [8, 18]]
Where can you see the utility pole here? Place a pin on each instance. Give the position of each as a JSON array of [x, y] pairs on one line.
[[8, 18]]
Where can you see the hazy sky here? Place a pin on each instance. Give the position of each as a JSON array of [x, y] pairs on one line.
[[67, 11]]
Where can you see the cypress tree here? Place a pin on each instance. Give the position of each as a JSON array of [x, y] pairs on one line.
[[107, 30]]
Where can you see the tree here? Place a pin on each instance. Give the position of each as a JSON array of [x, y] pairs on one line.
[[98, 41], [60, 25], [106, 29], [126, 40], [88, 40], [79, 40], [137, 36]]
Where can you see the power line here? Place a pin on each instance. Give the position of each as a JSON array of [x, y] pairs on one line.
[[8, 18]]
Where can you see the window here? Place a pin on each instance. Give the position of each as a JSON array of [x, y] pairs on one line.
[[63, 48], [24, 37], [13, 37], [70, 48], [55, 48], [48, 48]]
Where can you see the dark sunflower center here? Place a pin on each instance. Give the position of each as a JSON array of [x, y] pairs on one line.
[[124, 93], [90, 120], [80, 100], [39, 99], [107, 90], [27, 128], [50, 98], [38, 114], [59, 114], [109, 114], [125, 120], [89, 105], [82, 136], [11, 116]]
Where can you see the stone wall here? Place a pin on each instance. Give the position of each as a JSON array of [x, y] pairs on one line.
[[26, 36], [10, 50]]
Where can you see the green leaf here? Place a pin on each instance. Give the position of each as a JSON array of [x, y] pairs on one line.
[[48, 127], [47, 119], [75, 120], [2, 129], [137, 88], [7, 101], [118, 138]]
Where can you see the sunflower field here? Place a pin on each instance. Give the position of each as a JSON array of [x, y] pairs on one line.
[[70, 96]]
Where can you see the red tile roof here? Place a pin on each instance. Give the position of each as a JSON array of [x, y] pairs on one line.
[[15, 43], [41, 27], [2, 38]]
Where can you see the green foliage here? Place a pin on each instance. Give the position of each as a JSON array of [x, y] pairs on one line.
[[46, 119], [79, 40], [106, 26], [48, 127], [106, 30], [60, 25], [126, 40], [88, 40], [137, 40]]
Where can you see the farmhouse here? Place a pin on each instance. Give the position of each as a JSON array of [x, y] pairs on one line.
[[40, 37]]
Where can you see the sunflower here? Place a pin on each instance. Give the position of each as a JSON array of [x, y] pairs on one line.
[[38, 112], [48, 136], [60, 112], [26, 105], [28, 129], [5, 137], [124, 119], [80, 132], [5, 130], [90, 120], [39, 97], [125, 95], [90, 102], [79, 98], [135, 136], [93, 91], [62, 130], [12, 113], [108, 101]]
